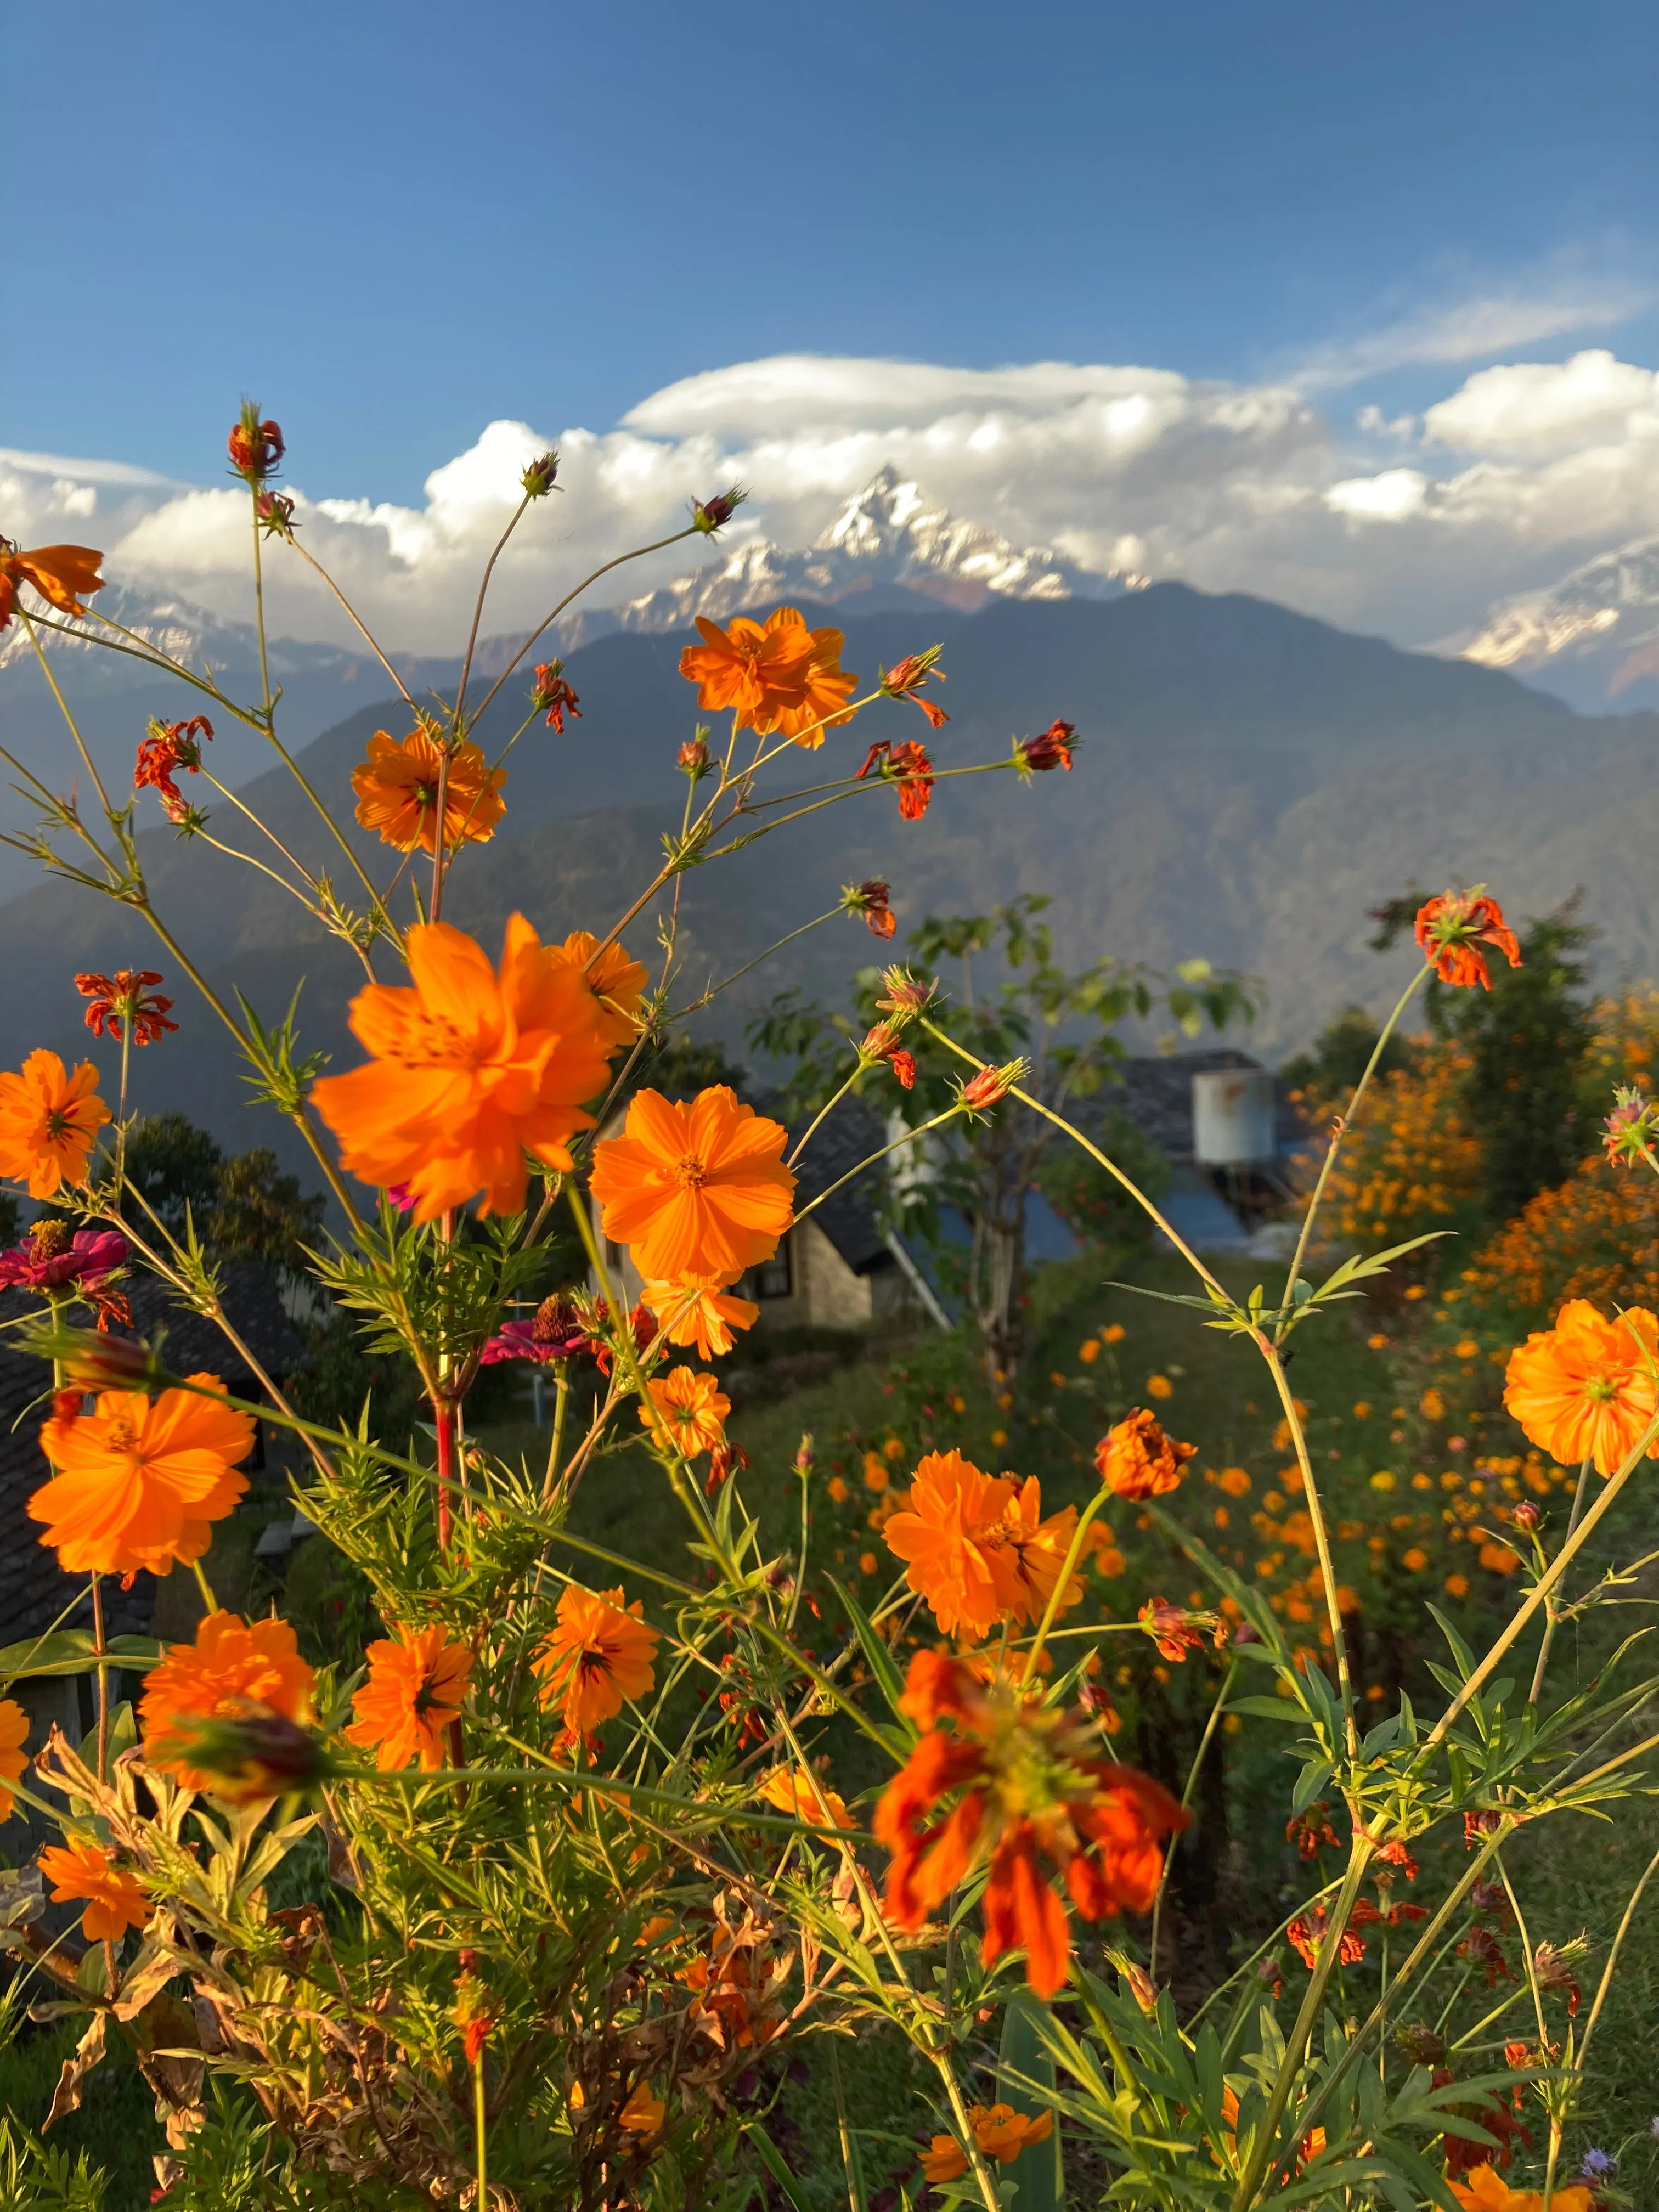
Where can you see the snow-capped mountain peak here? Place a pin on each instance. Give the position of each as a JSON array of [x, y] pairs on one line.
[[1593, 635]]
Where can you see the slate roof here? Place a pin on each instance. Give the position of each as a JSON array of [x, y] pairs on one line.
[[33, 1588], [849, 1134], [1155, 1094]]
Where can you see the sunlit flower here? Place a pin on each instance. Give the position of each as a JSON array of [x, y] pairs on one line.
[[49, 1122], [1586, 1388], [470, 1070], [169, 747], [948, 1535], [234, 1666], [397, 789], [14, 1733], [1453, 927], [905, 678], [778, 676], [114, 1899], [686, 1411], [906, 765], [414, 1693], [617, 983], [1177, 1631], [697, 1190], [1052, 749], [1027, 1553], [697, 1309], [596, 1659], [51, 1258], [127, 996], [255, 448], [140, 1481], [881, 1044], [1137, 1461], [999, 2132], [59, 572], [1030, 1795], [555, 1331], [800, 1794], [644, 2113], [1487, 2190]]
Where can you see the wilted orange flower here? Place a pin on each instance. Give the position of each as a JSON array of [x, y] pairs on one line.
[[115, 1901], [231, 1665], [1176, 1631], [697, 1310], [58, 572], [617, 983], [397, 789], [1000, 2131], [800, 1794], [1032, 1796], [686, 1411], [414, 1693], [127, 996], [1052, 750], [1137, 1461], [14, 1735], [171, 747], [780, 677], [140, 1481], [906, 765], [1487, 2190], [552, 693], [905, 678], [1451, 930], [596, 1658], [1586, 1388], [881, 1044], [697, 1189], [49, 1122], [870, 898], [255, 448], [472, 1070]]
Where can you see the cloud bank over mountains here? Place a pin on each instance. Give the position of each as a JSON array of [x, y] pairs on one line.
[[1440, 528]]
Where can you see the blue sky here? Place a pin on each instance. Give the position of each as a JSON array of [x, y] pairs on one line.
[[395, 223]]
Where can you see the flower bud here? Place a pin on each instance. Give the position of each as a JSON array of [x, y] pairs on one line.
[[906, 998], [1140, 1987], [1054, 749], [538, 476], [990, 1084], [275, 512], [709, 515], [695, 760], [1526, 1516], [252, 1753], [106, 1362], [805, 1456]]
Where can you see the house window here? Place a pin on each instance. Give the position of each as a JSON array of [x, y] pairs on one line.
[[775, 1278]]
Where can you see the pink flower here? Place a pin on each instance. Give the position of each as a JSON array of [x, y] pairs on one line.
[[48, 1260]]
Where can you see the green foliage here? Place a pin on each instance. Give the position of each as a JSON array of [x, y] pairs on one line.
[[1088, 1199], [36, 2178], [1330, 1070], [242, 1207]]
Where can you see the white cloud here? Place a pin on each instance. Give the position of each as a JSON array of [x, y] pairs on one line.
[[1229, 487], [1482, 321]]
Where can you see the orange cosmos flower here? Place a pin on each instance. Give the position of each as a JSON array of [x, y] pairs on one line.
[[1487, 2190], [231, 1668], [800, 1794], [907, 765], [1451, 930], [944, 1537], [695, 1190], [1586, 1388], [49, 1122], [1000, 2131], [598, 1657], [778, 678], [140, 1481], [1027, 1553], [644, 2113], [397, 789], [686, 1411], [696, 1311], [14, 1733], [414, 1693], [1030, 1795], [618, 984], [1136, 1459], [115, 1901], [127, 996], [58, 572], [470, 1070]]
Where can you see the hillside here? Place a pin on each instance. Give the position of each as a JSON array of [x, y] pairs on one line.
[[1250, 782]]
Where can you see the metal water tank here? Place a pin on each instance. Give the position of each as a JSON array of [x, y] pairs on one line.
[[1234, 1117]]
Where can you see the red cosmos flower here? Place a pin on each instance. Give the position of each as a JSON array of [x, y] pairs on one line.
[[555, 1332], [169, 746], [49, 1259], [1052, 750], [552, 693], [905, 679], [1451, 930], [1176, 1631], [125, 997], [255, 448], [274, 512], [906, 998], [1476, 1825], [1482, 1948], [1311, 1832], [907, 765], [881, 1044], [1553, 1973], [870, 899], [991, 1084], [1030, 1797]]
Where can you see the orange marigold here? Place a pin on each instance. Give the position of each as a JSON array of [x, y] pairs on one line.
[[414, 1692], [1451, 930], [114, 1899], [59, 572], [1137, 1461], [231, 1665], [697, 1190], [397, 789], [780, 677], [139, 1480], [472, 1070], [686, 1411], [696, 1311], [1000, 2131], [1586, 1388], [596, 1658], [1030, 1795], [617, 983], [49, 1122], [14, 1735]]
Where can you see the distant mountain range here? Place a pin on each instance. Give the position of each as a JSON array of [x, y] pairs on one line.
[[1250, 783], [1592, 637]]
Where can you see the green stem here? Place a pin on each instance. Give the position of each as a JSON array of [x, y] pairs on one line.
[[100, 1645], [1205, 1741], [480, 2128], [1553, 1604]]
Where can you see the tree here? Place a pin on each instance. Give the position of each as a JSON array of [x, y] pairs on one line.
[[243, 1207], [1326, 1073]]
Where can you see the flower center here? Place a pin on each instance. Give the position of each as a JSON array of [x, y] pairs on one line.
[[431, 1040], [1602, 1388], [49, 1238], [123, 1433], [692, 1173]]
